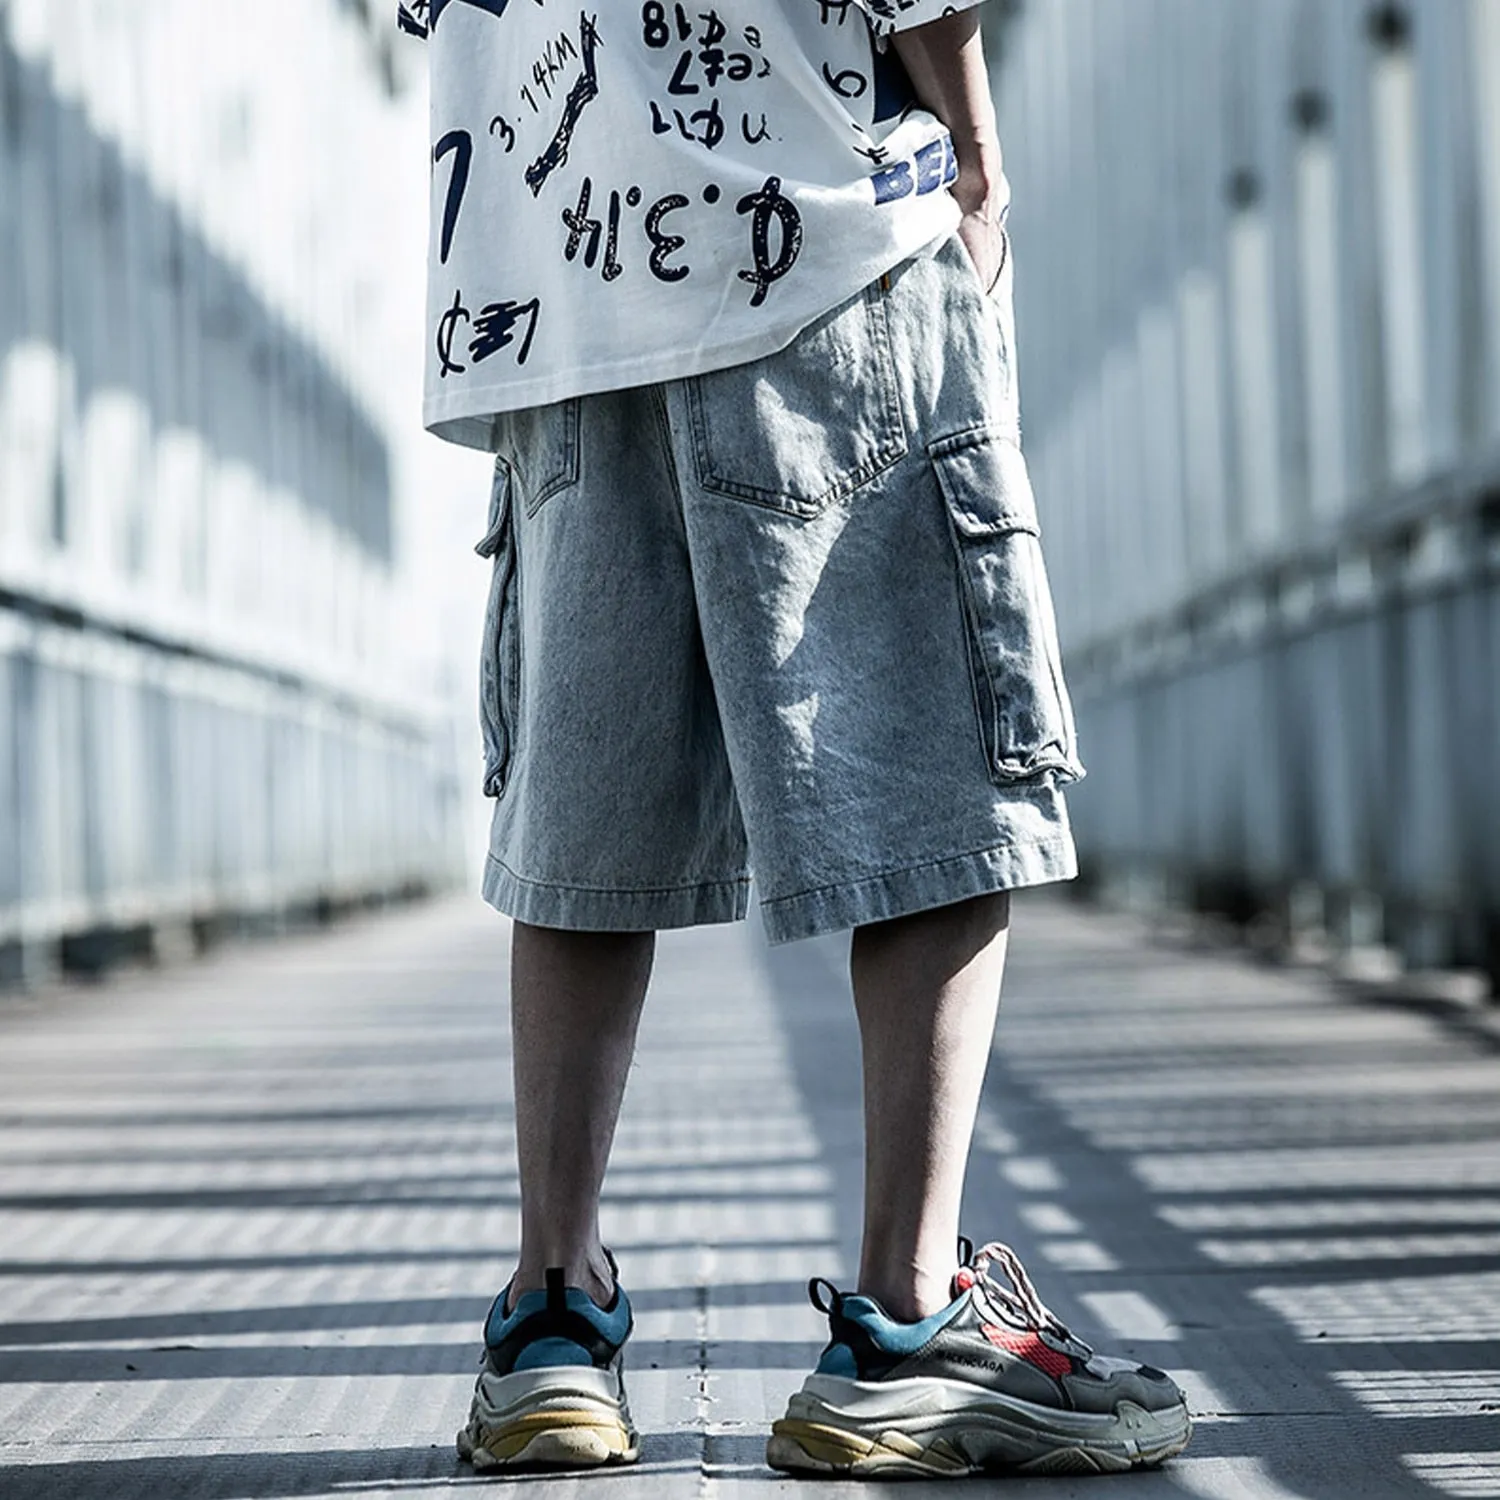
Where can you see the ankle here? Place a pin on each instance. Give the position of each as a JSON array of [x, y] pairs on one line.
[[588, 1269], [908, 1297]]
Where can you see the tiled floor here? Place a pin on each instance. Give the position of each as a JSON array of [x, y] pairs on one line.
[[252, 1212]]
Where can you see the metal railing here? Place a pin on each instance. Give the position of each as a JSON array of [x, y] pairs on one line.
[[208, 707], [1259, 279]]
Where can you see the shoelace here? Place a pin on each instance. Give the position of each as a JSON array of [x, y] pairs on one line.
[[1021, 1305]]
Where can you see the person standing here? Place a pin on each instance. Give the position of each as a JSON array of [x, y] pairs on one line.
[[726, 289]]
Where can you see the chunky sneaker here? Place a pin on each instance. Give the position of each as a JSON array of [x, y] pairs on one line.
[[993, 1382], [552, 1389]]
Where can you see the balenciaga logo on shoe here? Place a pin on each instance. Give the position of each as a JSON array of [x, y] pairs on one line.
[[958, 1357]]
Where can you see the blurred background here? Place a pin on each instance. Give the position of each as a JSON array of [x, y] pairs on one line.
[[1258, 252], [1259, 246], [238, 609]]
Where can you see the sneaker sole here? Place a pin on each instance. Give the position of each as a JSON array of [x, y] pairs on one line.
[[912, 1434], [573, 1419], [560, 1439]]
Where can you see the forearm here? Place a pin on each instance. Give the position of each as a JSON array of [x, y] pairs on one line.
[[945, 61]]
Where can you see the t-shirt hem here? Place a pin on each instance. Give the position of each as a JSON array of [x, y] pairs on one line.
[[468, 417]]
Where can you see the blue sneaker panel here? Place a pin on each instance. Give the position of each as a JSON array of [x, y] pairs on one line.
[[838, 1359], [612, 1325], [548, 1352], [889, 1335]]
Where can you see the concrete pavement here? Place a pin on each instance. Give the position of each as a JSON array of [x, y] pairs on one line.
[[252, 1212]]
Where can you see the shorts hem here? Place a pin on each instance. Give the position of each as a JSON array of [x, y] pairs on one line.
[[901, 893], [577, 909]]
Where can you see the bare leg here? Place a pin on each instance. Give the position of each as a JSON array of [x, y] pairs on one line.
[[575, 1004], [926, 989]]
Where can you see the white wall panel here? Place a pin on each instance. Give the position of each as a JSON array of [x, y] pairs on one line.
[[1270, 241], [199, 444]]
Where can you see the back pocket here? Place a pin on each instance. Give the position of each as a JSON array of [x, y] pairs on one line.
[[1025, 718], [801, 428]]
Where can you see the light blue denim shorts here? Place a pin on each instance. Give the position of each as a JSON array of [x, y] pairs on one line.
[[789, 617]]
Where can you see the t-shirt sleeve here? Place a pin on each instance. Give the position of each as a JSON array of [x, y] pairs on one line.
[[889, 16]]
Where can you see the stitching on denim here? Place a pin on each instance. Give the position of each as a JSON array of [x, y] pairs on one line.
[[567, 476], [735, 883], [658, 399], [895, 441], [1057, 841], [973, 436], [977, 666]]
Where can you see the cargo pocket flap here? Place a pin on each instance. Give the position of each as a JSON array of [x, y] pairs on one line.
[[494, 534], [984, 481], [1025, 718]]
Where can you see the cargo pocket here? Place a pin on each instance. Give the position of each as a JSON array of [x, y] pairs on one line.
[[801, 428], [1025, 718], [500, 652]]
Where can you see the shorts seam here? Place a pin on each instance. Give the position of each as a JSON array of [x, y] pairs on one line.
[[615, 890], [929, 864], [663, 418]]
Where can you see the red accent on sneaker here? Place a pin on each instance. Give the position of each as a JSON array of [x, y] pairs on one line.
[[1029, 1347], [964, 1280]]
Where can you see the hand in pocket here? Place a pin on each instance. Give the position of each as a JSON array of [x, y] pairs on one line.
[[988, 245]]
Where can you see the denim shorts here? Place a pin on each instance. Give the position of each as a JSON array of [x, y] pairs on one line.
[[788, 617]]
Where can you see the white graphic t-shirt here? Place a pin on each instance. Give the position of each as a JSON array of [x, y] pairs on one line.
[[625, 193]]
